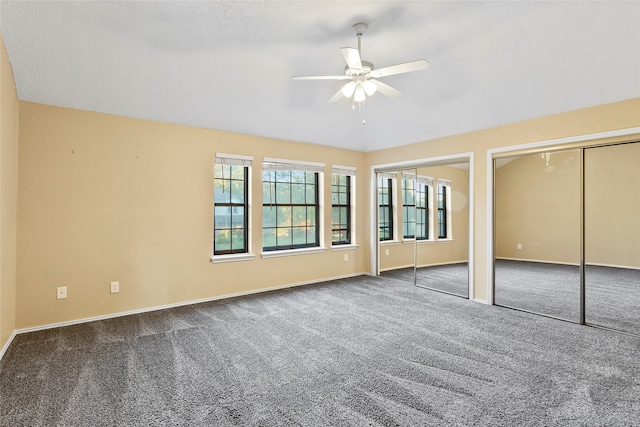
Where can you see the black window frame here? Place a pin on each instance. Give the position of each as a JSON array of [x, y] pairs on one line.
[[270, 200], [422, 212], [385, 223], [443, 232], [232, 205], [341, 226], [406, 207]]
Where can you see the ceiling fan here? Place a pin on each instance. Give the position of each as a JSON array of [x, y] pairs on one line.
[[363, 77]]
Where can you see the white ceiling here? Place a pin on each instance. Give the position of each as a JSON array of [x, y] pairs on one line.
[[228, 64]]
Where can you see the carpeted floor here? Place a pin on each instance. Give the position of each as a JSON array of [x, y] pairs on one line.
[[451, 278], [354, 352], [612, 295]]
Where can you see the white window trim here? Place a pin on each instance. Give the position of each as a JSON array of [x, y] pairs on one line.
[[218, 259], [290, 252]]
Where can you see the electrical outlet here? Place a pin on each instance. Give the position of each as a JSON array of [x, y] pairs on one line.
[[346, 257], [61, 292], [386, 252], [115, 287], [519, 245]]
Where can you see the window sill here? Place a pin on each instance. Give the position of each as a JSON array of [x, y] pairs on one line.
[[444, 240], [344, 247], [231, 258], [426, 242], [388, 242], [290, 252]]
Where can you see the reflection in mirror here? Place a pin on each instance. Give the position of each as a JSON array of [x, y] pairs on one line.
[[442, 228], [397, 224], [612, 236], [537, 233]]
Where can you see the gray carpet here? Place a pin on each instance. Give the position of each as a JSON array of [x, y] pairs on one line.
[[362, 351], [451, 278], [612, 295]]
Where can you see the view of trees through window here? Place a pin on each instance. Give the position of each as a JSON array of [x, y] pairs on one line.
[[230, 209], [340, 209], [442, 211], [385, 209], [289, 209]]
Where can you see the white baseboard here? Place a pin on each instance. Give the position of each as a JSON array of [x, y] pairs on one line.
[[178, 304], [540, 261], [7, 344], [435, 264], [595, 264]]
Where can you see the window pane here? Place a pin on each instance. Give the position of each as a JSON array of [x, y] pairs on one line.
[[283, 176], [299, 235], [311, 193], [283, 193], [237, 191], [268, 237], [268, 216], [222, 216], [335, 216], [237, 239], [237, 218], [311, 235], [284, 237], [297, 176], [222, 241], [237, 172], [311, 215], [283, 216], [297, 194], [222, 192], [334, 197], [268, 193]]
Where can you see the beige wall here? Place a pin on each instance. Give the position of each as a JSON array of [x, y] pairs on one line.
[[619, 115], [538, 207], [8, 191], [612, 205], [401, 253], [105, 198]]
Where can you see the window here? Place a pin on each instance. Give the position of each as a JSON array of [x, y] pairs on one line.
[[290, 205], [385, 207], [415, 206], [423, 192], [444, 206], [231, 204], [342, 179], [408, 207]]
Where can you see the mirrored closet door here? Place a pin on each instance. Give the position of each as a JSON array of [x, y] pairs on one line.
[[537, 233], [612, 236], [442, 242], [397, 224], [423, 226]]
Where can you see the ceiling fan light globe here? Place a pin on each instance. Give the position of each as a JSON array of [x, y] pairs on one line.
[[370, 87], [348, 89], [359, 94]]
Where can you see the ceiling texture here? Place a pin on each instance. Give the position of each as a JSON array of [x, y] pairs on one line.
[[228, 65]]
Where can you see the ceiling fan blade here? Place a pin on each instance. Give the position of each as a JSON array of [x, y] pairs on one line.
[[407, 67], [320, 78], [385, 89], [337, 97], [352, 56]]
